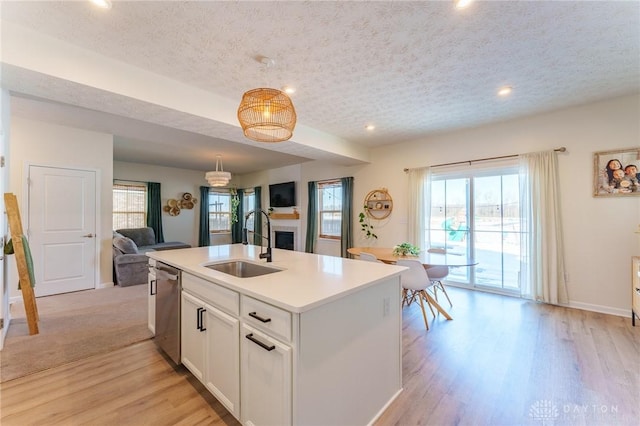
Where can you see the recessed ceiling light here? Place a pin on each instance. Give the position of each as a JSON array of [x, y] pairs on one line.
[[289, 90], [461, 4], [103, 4], [504, 91], [370, 127]]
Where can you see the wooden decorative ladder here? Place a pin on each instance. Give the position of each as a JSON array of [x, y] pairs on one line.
[[15, 227]]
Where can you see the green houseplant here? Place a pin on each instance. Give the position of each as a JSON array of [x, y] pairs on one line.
[[405, 249], [235, 202], [365, 226]]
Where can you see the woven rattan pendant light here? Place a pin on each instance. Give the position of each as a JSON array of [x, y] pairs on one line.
[[267, 115]]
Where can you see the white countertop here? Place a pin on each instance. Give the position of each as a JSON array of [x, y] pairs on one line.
[[306, 280]]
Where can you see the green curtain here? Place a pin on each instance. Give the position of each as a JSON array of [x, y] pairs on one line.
[[154, 210], [236, 228], [346, 234], [203, 231], [312, 218], [257, 240]]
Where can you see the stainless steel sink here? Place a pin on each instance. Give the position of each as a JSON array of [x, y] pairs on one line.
[[242, 269]]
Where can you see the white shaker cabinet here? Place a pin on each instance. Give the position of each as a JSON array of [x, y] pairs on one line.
[[266, 379], [151, 300], [210, 345], [223, 358], [193, 337]]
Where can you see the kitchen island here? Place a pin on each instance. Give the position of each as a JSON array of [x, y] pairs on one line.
[[316, 342]]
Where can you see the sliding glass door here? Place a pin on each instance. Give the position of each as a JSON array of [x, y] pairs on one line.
[[477, 213]]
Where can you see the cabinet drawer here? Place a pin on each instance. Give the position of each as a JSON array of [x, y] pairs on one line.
[[152, 264], [275, 321], [218, 296]]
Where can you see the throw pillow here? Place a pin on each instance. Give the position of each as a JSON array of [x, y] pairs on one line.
[[125, 245]]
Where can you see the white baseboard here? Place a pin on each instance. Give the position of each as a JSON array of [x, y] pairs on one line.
[[18, 299], [600, 308], [575, 305]]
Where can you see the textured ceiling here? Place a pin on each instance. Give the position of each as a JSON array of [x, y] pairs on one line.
[[410, 68]]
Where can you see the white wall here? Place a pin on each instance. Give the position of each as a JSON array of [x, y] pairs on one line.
[[599, 232], [266, 177], [46, 144], [320, 170], [173, 183], [279, 175], [5, 132]]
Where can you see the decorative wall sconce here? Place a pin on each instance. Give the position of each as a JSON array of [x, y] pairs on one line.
[[174, 206]]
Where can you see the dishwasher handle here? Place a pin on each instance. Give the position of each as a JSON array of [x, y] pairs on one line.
[[162, 274]]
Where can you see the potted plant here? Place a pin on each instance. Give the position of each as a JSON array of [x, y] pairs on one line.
[[235, 202], [406, 249], [365, 226]]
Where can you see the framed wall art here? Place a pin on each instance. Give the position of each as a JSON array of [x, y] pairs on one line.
[[616, 173]]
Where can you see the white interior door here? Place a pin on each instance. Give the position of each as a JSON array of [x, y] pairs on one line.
[[62, 229], [4, 175]]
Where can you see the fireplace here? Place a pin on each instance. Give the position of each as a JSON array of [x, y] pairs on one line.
[[284, 240], [284, 237]]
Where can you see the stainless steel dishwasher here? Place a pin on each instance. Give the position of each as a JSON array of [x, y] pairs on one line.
[[168, 287]]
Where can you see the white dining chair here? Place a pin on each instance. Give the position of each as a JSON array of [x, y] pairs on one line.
[[369, 257], [437, 274], [415, 282]]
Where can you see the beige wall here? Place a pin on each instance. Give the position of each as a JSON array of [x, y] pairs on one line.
[[5, 132], [599, 232], [173, 183], [37, 143], [599, 237], [279, 175]]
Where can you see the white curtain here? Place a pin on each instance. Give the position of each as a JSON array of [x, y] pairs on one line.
[[419, 206], [542, 265]]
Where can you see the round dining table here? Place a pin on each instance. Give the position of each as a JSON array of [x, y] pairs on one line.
[[427, 258]]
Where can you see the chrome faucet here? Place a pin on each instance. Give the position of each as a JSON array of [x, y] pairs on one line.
[[245, 234]]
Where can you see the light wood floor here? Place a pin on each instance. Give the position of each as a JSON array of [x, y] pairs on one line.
[[501, 361]]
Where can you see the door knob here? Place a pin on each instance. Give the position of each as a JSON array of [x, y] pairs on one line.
[[89, 236]]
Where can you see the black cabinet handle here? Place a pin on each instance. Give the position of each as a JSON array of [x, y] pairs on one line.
[[258, 317], [200, 319], [152, 289], [259, 343]]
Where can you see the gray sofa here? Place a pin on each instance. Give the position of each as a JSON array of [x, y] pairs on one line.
[[130, 262]]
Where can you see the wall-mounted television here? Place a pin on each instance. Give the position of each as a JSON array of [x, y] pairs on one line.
[[282, 194]]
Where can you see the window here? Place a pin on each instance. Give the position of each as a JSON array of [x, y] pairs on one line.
[[129, 205], [477, 212], [330, 209], [248, 204], [219, 212]]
